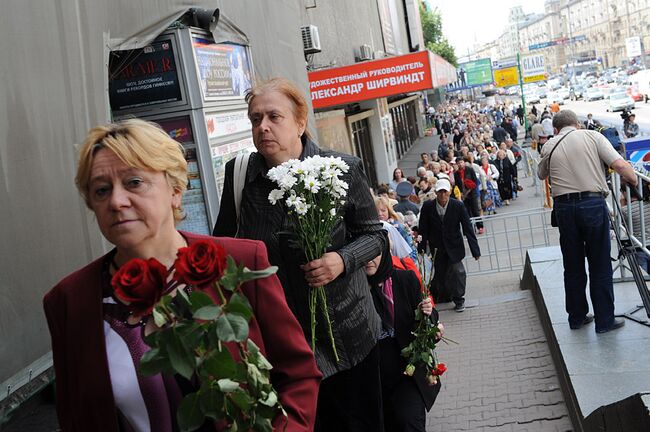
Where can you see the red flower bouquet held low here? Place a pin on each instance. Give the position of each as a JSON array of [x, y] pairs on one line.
[[421, 351], [202, 334]]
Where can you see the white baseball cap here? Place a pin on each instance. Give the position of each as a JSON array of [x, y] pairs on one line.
[[443, 184]]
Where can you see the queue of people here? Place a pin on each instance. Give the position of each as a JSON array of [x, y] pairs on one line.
[[132, 176]]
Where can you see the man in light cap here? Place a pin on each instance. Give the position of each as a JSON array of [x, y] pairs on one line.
[[441, 222]]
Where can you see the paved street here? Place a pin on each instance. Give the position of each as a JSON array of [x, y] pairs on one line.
[[501, 376]]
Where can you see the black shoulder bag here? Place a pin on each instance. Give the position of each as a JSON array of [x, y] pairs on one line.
[[553, 217]]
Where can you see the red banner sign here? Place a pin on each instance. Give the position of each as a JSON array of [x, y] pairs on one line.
[[371, 80]]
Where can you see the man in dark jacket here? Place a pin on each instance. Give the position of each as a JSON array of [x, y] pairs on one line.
[[499, 134], [466, 180], [404, 190], [441, 221], [509, 127]]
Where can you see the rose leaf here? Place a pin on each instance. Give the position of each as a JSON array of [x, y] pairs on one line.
[[190, 416]]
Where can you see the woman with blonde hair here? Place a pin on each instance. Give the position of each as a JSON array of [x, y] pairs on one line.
[[132, 176], [387, 214]]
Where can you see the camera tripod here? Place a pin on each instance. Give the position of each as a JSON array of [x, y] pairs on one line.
[[627, 252]]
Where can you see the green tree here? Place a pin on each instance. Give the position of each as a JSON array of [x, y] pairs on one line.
[[434, 40]]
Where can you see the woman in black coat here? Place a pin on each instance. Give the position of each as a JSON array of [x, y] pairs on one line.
[[506, 172], [405, 398]]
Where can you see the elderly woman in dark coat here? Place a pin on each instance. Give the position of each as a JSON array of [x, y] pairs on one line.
[[506, 171], [279, 113]]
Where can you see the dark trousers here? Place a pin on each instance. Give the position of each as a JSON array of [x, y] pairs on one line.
[[473, 208], [350, 401], [584, 232], [449, 279], [404, 408]]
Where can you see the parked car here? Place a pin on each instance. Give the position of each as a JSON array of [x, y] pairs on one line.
[[541, 91], [563, 92], [634, 94], [576, 92], [620, 101], [531, 96], [554, 97], [593, 93]]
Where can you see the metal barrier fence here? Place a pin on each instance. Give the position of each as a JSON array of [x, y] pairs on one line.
[[506, 239]]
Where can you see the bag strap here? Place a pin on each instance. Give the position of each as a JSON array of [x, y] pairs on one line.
[[239, 180], [556, 146]]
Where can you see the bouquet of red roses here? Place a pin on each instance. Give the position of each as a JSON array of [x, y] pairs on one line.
[[421, 351], [201, 321]]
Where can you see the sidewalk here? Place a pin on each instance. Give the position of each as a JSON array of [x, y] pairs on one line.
[[501, 375]]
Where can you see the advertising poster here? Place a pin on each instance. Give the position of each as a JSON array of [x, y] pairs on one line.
[[196, 217], [143, 77], [506, 77], [222, 153], [223, 124], [224, 69], [533, 68], [637, 151], [472, 74]]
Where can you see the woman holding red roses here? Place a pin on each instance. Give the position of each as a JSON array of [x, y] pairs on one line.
[[132, 176], [396, 295]]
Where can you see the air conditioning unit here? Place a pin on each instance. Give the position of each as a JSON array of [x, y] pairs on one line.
[[365, 52], [310, 39]]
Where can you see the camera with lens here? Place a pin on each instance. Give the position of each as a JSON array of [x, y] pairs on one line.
[[625, 115]]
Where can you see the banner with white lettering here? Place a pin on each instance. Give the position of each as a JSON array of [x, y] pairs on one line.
[[371, 80]]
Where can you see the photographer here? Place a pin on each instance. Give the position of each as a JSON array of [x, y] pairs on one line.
[[630, 128], [579, 192]]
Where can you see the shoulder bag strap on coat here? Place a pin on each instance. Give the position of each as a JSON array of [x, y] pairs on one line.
[[556, 146], [239, 180]]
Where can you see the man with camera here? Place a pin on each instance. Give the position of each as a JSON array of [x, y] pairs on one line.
[[575, 160], [630, 128]]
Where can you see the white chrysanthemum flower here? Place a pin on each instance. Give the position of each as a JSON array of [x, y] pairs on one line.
[[292, 200], [312, 184], [301, 207], [332, 212], [275, 195], [287, 181]]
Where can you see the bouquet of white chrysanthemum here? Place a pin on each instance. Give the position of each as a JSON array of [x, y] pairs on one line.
[[313, 192]]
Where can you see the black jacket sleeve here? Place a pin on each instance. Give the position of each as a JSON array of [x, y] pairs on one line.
[[226, 225]]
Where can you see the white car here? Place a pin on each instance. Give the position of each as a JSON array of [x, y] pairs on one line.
[[620, 101], [531, 97], [593, 94], [564, 93], [552, 97]]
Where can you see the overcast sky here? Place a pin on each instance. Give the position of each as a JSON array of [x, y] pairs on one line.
[[466, 22]]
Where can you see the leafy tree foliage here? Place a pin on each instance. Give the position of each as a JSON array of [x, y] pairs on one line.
[[434, 40]]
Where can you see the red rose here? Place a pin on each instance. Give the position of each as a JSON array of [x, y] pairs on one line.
[[440, 369], [140, 284], [469, 184], [200, 264]]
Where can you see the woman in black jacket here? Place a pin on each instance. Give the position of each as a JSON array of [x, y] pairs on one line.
[[405, 398], [506, 172]]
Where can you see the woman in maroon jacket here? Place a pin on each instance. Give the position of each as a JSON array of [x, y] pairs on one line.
[[132, 176]]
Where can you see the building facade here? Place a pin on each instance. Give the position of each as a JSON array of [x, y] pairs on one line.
[[576, 34]]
